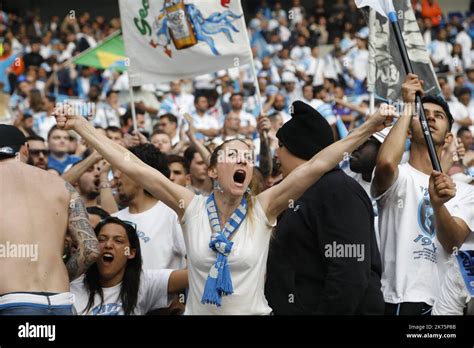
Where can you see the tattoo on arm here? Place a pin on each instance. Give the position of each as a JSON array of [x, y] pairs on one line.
[[82, 235]]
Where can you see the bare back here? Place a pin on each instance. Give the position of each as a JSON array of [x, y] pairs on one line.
[[33, 224]]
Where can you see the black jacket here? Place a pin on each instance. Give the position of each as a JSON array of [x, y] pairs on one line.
[[303, 277]]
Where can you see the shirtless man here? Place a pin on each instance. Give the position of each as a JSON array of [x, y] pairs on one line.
[[38, 210]]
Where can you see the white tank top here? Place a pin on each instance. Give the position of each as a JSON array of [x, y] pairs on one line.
[[247, 261]]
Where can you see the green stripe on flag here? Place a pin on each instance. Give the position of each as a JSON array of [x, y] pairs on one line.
[[109, 54]]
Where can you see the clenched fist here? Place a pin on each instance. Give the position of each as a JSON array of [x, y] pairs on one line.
[[441, 188], [65, 120]]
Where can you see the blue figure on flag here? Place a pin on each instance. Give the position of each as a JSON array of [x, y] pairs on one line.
[[185, 25]]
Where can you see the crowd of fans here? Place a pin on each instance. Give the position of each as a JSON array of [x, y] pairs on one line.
[[318, 55]]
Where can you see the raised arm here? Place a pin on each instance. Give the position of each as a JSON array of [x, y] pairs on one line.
[[107, 200], [85, 249], [276, 199], [76, 171], [174, 196], [263, 127], [391, 151], [451, 231], [203, 151]]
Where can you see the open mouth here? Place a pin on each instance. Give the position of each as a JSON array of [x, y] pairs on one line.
[[108, 258], [239, 176], [97, 183]]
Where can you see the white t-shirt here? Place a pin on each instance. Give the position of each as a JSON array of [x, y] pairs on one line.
[[106, 116], [152, 294], [413, 261], [204, 122], [459, 112], [161, 238], [247, 261], [453, 295], [247, 120]]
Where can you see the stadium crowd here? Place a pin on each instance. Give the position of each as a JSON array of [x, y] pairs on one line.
[[317, 55]]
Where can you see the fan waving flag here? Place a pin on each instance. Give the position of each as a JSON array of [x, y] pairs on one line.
[[109, 54], [167, 40], [386, 73]]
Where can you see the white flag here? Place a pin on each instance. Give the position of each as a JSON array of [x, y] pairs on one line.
[[384, 7], [167, 40]]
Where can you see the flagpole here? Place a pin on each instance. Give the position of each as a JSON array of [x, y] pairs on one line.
[[409, 69], [132, 105], [258, 93]]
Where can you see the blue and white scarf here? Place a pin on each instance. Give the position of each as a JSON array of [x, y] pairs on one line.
[[219, 282]]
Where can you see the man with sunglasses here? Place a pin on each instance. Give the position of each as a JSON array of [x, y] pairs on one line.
[[38, 211], [38, 153]]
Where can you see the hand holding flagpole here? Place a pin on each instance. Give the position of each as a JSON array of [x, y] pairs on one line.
[[386, 9]]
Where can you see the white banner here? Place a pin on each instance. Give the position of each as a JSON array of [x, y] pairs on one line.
[[167, 40]]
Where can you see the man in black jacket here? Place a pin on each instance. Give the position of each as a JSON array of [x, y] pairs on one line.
[[323, 258]]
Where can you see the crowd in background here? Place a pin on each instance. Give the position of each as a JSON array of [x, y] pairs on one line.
[[318, 55]]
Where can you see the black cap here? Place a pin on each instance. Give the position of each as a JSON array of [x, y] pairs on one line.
[[11, 140], [306, 133]]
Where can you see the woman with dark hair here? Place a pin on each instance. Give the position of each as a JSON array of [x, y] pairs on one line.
[[116, 283], [227, 234]]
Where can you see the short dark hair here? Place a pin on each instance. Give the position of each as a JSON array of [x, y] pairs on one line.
[[178, 159], [236, 94], [464, 90], [35, 137], [170, 117], [150, 155], [462, 130], [196, 99], [111, 92], [318, 89], [128, 114], [439, 101], [113, 129], [55, 127], [189, 154]]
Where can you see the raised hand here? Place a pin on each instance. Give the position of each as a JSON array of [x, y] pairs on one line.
[[65, 120], [382, 118], [263, 124], [441, 188], [411, 87]]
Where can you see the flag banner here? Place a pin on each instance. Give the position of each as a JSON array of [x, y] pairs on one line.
[[109, 54], [383, 7], [167, 40], [386, 72]]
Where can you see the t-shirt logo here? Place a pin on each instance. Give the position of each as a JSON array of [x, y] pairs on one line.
[[426, 215], [107, 309]]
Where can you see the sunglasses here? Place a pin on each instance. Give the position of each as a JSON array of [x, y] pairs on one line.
[[112, 219], [37, 152]]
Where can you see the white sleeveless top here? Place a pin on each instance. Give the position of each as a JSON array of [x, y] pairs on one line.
[[247, 261]]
